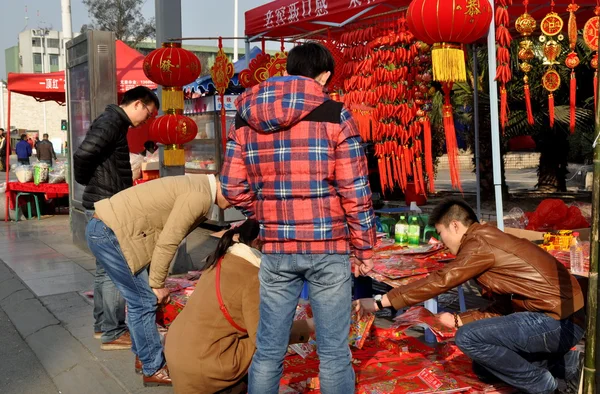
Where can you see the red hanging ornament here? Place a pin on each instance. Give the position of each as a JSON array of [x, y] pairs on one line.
[[551, 26], [173, 129], [222, 72], [172, 65], [590, 36], [450, 132], [572, 61], [525, 25], [503, 71]]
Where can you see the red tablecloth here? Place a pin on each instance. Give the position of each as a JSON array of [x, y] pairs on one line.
[[50, 190]]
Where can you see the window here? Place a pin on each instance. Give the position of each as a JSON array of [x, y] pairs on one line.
[[53, 60], [36, 42], [37, 58], [53, 43]]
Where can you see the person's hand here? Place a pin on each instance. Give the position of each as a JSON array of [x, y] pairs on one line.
[[362, 267], [364, 306], [163, 295], [447, 319]]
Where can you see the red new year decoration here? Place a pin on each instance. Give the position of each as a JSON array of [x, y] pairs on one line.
[[173, 129], [503, 72], [252, 76], [222, 72], [172, 65]]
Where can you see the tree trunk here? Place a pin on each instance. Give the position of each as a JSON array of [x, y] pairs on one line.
[[552, 170]]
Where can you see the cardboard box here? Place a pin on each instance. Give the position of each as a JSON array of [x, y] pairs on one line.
[[584, 233], [150, 166]]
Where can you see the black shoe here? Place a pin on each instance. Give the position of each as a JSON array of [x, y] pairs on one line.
[[571, 385]]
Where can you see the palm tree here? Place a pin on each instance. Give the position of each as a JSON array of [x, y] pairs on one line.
[[553, 143]]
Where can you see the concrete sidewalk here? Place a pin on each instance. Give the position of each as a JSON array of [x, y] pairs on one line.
[[43, 276]]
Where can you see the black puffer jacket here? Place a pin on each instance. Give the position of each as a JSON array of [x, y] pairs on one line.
[[102, 160]]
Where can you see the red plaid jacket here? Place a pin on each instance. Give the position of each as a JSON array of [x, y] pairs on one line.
[[294, 162]]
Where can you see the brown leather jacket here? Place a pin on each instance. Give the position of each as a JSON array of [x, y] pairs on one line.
[[518, 275]]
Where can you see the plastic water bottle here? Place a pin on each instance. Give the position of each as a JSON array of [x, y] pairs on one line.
[[401, 231], [414, 207], [414, 230], [576, 254]]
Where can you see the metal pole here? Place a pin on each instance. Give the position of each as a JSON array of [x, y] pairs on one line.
[[589, 368], [168, 24], [7, 198], [247, 55], [235, 30], [496, 157], [2, 104], [43, 71], [476, 126]]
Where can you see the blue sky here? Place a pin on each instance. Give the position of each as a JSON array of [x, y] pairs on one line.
[[200, 18]]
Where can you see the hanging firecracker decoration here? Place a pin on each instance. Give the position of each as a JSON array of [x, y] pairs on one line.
[[551, 27], [590, 36], [447, 25], [572, 61], [222, 72], [525, 25], [172, 67], [503, 71]]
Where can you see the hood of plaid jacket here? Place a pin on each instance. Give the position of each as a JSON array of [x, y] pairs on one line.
[[280, 102]]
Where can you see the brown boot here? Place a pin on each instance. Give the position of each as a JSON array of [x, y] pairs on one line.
[[160, 378], [121, 343], [138, 365]]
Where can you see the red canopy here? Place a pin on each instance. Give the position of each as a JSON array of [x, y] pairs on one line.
[[289, 18], [51, 86]]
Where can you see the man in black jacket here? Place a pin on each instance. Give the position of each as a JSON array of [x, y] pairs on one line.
[[101, 163]]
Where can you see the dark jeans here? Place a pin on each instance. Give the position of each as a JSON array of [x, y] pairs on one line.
[[24, 161], [109, 306], [527, 350]]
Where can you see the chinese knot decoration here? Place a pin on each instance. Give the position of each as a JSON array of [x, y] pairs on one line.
[[172, 67], [503, 72], [590, 36], [222, 72], [525, 25], [572, 61], [551, 27]]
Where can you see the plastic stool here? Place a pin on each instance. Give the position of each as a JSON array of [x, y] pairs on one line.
[[37, 206], [429, 230]]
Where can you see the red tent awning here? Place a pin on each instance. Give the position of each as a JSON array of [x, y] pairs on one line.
[[44, 87], [129, 68], [51, 86], [290, 18]]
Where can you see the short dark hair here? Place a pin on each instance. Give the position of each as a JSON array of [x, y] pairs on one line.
[[45, 135], [142, 93], [310, 59], [23, 137], [1, 129], [453, 209]]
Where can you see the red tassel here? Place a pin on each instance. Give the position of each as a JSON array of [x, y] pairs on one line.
[[416, 179], [551, 109], [503, 108], [573, 99], [390, 180], [420, 169], [428, 155], [451, 144], [381, 176], [595, 88], [528, 104]]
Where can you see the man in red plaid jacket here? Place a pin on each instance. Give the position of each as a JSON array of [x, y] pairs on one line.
[[295, 163]]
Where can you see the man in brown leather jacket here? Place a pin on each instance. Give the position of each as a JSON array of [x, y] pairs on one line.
[[525, 336]]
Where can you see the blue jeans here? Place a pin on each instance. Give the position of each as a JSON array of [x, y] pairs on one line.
[[109, 306], [329, 286], [527, 350], [141, 301]]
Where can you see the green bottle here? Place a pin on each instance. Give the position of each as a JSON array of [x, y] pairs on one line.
[[401, 232], [413, 232]]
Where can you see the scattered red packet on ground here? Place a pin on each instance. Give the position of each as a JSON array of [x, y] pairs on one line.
[[419, 315], [359, 329]]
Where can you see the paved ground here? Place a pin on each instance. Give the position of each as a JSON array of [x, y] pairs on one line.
[[42, 276]]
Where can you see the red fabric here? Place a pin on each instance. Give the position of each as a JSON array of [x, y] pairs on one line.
[[50, 190], [51, 86], [339, 11], [553, 214]]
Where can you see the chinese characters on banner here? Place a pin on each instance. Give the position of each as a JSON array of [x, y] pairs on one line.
[[52, 84]]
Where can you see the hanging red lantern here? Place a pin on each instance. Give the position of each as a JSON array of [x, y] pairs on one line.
[[172, 65], [173, 129], [447, 25]]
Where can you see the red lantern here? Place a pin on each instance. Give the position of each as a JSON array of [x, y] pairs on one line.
[[447, 25], [172, 65], [173, 129]]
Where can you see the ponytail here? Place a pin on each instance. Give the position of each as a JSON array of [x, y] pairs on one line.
[[248, 231]]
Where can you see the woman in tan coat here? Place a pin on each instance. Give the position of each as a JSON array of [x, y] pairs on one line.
[[209, 350]]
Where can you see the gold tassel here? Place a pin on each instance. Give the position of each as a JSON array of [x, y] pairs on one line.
[[448, 63], [172, 98], [174, 156]]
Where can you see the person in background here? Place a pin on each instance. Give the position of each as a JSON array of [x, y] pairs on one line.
[[101, 163], [23, 150], [295, 163], [524, 338], [3, 148], [45, 151], [219, 358], [134, 235]]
